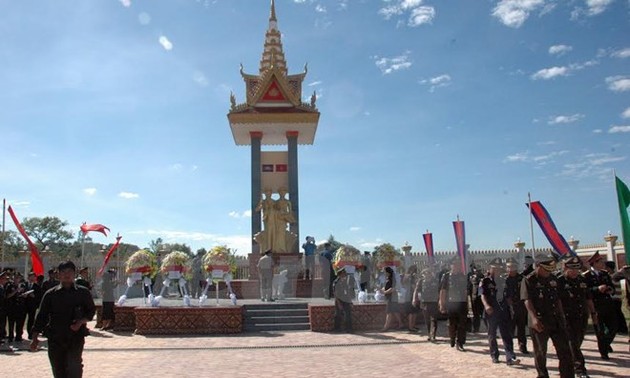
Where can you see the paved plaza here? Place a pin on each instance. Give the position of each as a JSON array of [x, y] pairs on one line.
[[298, 354]]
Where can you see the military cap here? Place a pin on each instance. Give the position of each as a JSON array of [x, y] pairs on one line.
[[547, 262], [510, 261], [31, 273], [573, 263], [595, 258], [496, 262]]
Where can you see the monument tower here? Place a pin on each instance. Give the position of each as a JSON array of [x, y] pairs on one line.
[[274, 114]]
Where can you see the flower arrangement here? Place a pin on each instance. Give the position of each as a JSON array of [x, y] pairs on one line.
[[387, 255], [347, 255], [143, 262], [219, 257], [177, 261]]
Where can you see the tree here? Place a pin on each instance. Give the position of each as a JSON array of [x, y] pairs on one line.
[[201, 251], [48, 231], [182, 247], [156, 245], [12, 243]]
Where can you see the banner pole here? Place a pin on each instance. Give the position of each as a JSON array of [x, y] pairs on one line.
[[4, 213]]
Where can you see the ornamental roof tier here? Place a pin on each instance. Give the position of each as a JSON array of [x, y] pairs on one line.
[[274, 104]]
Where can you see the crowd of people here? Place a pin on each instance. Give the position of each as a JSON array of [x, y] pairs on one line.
[[550, 299]]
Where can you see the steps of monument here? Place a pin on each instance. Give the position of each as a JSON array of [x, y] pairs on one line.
[[254, 320], [277, 327], [276, 317]]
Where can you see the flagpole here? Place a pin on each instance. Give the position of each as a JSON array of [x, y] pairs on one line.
[[82, 247], [531, 224]]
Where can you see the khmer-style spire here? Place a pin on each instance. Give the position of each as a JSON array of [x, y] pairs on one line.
[[272, 55]]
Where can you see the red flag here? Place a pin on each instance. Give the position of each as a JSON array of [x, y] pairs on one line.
[[547, 226], [460, 238], [428, 242], [36, 259], [109, 254], [85, 228]]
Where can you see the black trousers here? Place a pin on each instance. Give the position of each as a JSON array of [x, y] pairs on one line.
[[3, 324], [477, 309], [66, 357], [563, 350], [108, 311], [30, 320], [575, 329], [431, 312], [343, 312], [608, 326], [457, 319], [16, 325], [519, 324], [500, 319]]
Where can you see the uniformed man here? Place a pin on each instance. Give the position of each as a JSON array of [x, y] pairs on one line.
[[601, 287], [33, 298], [51, 281], [3, 308], [427, 291], [265, 274], [16, 307], [577, 305], [343, 288], [519, 312], [475, 277], [83, 279], [495, 298], [546, 318], [62, 316], [454, 302]]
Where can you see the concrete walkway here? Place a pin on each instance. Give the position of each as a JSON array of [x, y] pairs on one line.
[[298, 354]]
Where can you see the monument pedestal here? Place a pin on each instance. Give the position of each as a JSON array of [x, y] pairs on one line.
[[292, 262]]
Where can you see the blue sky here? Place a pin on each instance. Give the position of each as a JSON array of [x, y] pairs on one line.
[[114, 112]]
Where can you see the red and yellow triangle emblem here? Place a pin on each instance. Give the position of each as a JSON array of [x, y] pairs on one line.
[[273, 93]]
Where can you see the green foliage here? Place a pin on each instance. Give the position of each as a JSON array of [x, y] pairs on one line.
[[48, 231]]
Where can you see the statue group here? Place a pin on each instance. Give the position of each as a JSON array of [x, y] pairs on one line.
[[276, 216]]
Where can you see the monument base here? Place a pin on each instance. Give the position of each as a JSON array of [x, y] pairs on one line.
[[125, 318], [365, 317], [188, 320]]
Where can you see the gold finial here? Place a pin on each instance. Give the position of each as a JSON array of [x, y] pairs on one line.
[[272, 16]]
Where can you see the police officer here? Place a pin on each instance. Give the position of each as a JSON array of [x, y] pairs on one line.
[[495, 297], [454, 302], [601, 287], [3, 306], [577, 305], [519, 312], [546, 318], [475, 277], [427, 291]]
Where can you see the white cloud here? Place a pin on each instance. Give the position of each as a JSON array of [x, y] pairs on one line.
[[440, 81], [320, 8], [626, 113], [418, 14], [355, 228], [200, 79], [389, 65], [559, 49], [317, 82], [550, 73], [598, 131], [126, 3], [591, 165], [618, 83], [565, 119], [165, 43], [237, 215], [525, 157], [19, 203], [89, 191], [144, 18], [619, 129], [596, 7], [514, 13], [241, 243], [128, 195], [623, 53]]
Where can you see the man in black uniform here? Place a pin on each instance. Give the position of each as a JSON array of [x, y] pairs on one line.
[[33, 298], [475, 277], [3, 308], [51, 281], [577, 305], [454, 302], [546, 318], [518, 317], [62, 316], [601, 287], [495, 297]]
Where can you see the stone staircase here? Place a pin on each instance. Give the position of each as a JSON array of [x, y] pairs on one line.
[[276, 317]]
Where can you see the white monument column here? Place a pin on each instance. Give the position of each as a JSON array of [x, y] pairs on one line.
[[611, 240]]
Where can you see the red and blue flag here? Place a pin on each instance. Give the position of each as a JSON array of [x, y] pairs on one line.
[[557, 241]]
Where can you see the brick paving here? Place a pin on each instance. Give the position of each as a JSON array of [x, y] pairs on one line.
[[298, 354]]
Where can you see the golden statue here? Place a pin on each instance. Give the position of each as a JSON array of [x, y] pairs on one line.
[[276, 215]]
